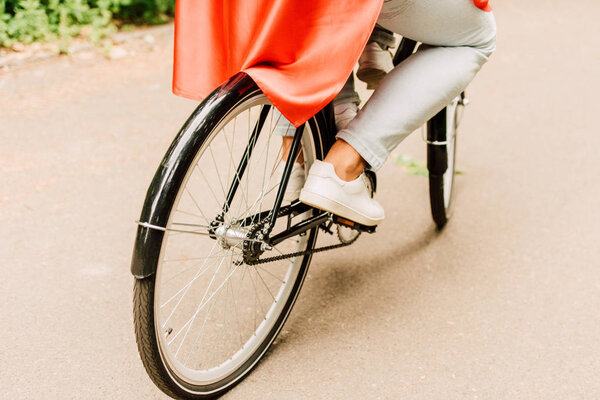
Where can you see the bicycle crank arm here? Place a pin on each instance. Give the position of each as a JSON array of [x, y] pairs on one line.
[[354, 225], [296, 207], [300, 227]]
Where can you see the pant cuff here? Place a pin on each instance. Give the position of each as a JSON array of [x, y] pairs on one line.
[[374, 160]]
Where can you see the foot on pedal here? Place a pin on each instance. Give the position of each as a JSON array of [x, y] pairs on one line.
[[354, 226], [349, 200]]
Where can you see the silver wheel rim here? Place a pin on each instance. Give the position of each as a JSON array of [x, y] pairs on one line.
[[211, 313]]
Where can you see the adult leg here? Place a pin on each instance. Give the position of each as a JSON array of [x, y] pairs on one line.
[[376, 60], [459, 38], [345, 106]]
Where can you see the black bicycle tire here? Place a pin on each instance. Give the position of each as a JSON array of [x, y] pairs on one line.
[[437, 164], [144, 288]]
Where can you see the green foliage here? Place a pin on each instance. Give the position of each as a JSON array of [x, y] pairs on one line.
[[415, 167], [27, 21], [411, 166], [145, 11]]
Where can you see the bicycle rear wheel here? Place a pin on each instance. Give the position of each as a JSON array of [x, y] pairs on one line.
[[441, 157], [205, 318]]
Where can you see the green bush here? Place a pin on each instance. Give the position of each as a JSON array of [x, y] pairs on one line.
[[27, 21]]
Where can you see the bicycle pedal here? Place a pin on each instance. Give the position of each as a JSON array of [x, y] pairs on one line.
[[354, 225]]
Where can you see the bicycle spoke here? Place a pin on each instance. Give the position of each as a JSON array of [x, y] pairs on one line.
[[207, 184], [212, 156], [235, 310], [257, 297], [189, 259], [199, 307], [189, 213], [186, 288], [201, 330], [203, 302], [262, 186], [187, 269], [212, 308], [247, 174], [238, 181], [224, 323], [261, 196], [196, 204], [237, 296], [172, 232], [264, 283], [269, 272]]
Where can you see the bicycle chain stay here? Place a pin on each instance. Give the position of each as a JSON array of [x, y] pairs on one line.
[[248, 240], [298, 253], [326, 228]]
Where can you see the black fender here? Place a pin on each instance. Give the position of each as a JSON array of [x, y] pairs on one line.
[[170, 173], [173, 167], [437, 156]]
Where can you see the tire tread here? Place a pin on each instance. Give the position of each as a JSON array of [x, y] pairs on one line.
[[145, 337]]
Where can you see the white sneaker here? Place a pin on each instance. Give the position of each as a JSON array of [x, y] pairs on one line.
[[350, 200], [297, 178], [344, 113], [374, 63]]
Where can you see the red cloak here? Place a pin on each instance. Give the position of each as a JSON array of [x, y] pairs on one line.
[[298, 52]]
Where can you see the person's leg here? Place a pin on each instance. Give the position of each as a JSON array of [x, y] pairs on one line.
[[345, 107], [286, 130], [348, 93], [345, 104], [460, 37], [376, 60]]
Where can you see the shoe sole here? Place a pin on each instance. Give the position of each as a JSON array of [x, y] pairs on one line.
[[332, 206]]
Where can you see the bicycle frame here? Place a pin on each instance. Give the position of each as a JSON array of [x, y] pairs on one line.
[[405, 49], [246, 157], [171, 171], [277, 211], [154, 216], [296, 207]]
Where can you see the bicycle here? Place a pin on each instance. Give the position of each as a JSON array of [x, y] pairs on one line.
[[218, 259]]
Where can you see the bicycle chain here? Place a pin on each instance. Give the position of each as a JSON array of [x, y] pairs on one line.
[[298, 253]]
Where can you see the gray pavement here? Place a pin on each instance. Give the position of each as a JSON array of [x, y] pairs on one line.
[[502, 304]]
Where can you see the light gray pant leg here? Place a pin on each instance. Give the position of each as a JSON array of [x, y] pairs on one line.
[[348, 93], [283, 127], [459, 36]]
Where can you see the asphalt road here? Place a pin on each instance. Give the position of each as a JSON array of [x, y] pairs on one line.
[[504, 303]]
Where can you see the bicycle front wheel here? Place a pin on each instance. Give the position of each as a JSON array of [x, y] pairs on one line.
[[441, 157], [205, 318]]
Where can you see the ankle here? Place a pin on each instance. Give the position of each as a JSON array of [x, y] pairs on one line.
[[347, 162], [286, 145], [348, 173]]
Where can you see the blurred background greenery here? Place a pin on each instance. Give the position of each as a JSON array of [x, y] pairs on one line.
[[27, 21]]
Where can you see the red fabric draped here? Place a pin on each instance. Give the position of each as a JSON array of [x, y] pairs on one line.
[[483, 4], [299, 53]]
